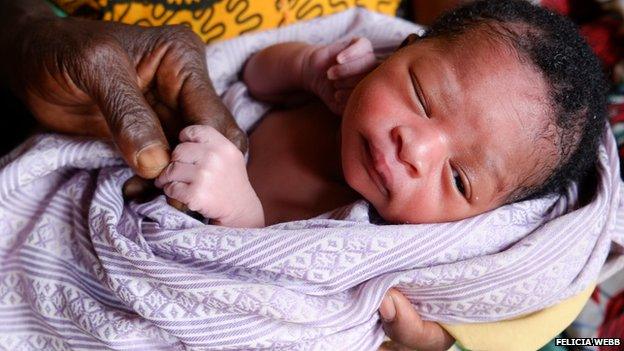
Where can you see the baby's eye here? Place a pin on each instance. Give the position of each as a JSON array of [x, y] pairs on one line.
[[459, 184], [419, 94]]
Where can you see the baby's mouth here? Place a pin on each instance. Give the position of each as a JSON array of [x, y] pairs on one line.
[[376, 168]]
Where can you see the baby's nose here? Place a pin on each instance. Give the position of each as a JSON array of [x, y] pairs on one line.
[[421, 149]]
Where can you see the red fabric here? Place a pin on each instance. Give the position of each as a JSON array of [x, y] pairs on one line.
[[560, 6], [616, 113], [602, 35], [613, 323], [595, 296]]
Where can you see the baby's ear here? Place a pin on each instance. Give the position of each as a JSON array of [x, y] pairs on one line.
[[409, 40]]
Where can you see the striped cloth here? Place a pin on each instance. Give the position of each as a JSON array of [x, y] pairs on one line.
[[82, 269]]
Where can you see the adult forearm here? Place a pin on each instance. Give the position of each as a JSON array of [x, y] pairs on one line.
[[15, 19]]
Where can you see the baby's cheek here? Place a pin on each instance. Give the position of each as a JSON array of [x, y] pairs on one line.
[[413, 205], [394, 212], [351, 169]]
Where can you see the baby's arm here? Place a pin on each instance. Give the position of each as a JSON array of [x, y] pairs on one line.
[[207, 173], [283, 71], [274, 74]]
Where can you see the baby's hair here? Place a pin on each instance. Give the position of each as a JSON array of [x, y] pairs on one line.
[[575, 82]]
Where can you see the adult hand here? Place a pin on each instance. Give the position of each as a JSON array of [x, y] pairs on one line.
[[407, 330], [139, 86]]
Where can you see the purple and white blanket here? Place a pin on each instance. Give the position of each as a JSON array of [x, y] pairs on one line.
[[82, 269]]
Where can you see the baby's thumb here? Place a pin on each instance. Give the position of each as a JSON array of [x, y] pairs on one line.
[[143, 190]]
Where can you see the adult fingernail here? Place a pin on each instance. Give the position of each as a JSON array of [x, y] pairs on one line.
[[387, 311], [152, 159]]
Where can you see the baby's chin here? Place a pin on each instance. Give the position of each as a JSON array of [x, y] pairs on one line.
[[356, 178], [416, 212], [394, 217], [383, 207]]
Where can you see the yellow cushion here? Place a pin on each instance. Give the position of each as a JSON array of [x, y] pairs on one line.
[[528, 332], [216, 20]]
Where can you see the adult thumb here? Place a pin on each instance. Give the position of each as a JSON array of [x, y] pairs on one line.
[[135, 128], [404, 326]]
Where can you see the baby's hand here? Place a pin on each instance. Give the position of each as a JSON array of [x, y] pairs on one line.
[[332, 71], [207, 173]]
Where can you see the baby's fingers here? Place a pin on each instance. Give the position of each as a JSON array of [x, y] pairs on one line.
[[176, 172], [359, 47], [205, 134], [323, 56], [363, 64], [179, 191], [330, 51]]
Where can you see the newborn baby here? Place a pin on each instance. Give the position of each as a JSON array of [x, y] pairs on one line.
[[499, 101]]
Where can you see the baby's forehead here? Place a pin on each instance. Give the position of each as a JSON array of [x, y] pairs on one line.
[[511, 33], [490, 37]]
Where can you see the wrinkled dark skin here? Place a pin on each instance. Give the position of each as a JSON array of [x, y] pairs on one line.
[[407, 330], [139, 87]]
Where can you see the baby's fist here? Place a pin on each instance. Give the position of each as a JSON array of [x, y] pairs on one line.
[[207, 173], [332, 71], [356, 59]]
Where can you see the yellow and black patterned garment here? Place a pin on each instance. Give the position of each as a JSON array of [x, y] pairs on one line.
[[217, 19]]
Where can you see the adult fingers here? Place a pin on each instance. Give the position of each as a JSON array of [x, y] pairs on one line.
[[184, 85], [134, 126], [403, 325], [204, 107]]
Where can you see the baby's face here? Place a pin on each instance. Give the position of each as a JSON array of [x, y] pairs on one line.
[[444, 131]]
